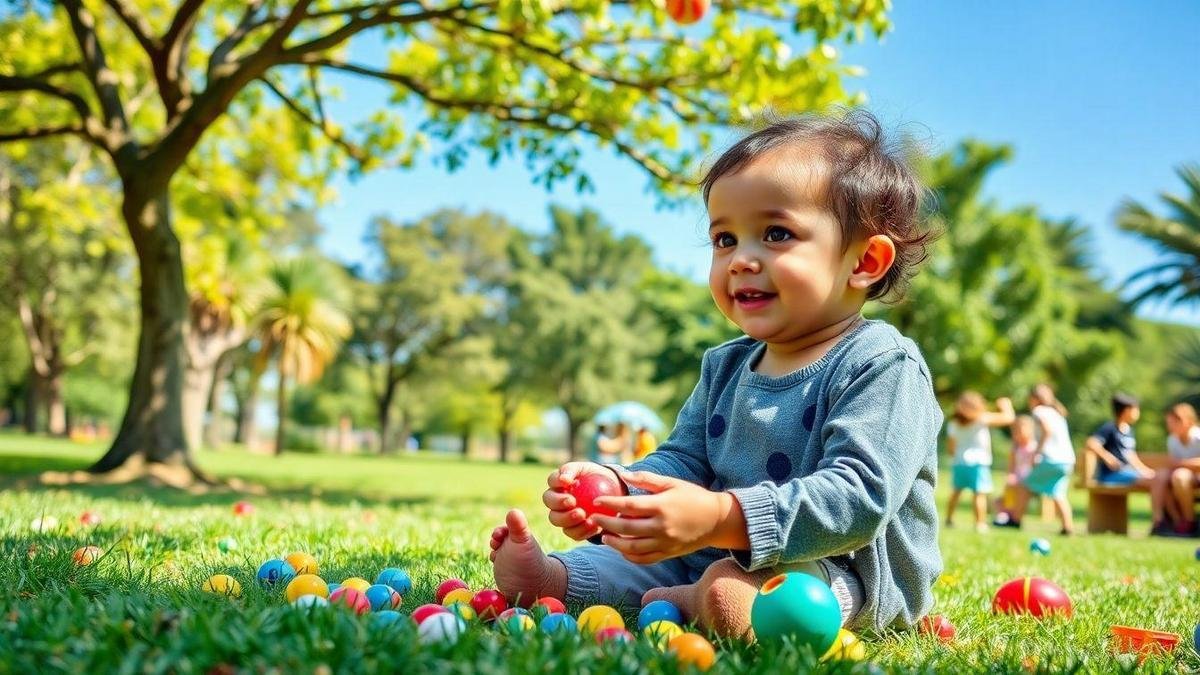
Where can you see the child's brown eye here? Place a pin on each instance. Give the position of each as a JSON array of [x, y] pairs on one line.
[[777, 234], [723, 240]]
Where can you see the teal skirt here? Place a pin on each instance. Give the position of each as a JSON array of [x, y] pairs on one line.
[[973, 477], [1049, 478]]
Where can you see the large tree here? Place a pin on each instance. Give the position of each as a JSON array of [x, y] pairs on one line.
[[1175, 277], [509, 77]]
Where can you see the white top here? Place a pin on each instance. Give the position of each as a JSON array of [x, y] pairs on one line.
[[972, 443], [1180, 451], [1057, 449]]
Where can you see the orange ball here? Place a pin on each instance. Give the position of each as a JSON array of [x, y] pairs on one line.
[[303, 563], [687, 12], [87, 555], [693, 649]]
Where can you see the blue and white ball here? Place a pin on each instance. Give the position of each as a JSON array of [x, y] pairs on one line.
[[659, 610], [396, 578]]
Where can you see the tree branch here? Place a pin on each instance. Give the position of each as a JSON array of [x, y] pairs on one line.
[[380, 18], [59, 69], [136, 23], [169, 67], [355, 152], [103, 80], [42, 132], [246, 25], [15, 83]]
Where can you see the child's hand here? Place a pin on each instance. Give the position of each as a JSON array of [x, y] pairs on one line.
[[676, 519], [564, 512]]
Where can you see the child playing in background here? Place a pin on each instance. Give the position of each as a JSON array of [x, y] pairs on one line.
[[969, 442], [809, 444], [1054, 458], [1175, 487], [1020, 462], [1116, 448]]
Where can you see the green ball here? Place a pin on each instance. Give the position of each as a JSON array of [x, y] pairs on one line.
[[227, 544], [799, 605]]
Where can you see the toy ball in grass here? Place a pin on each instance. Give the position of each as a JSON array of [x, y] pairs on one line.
[[446, 587], [227, 544], [511, 612], [517, 623], [488, 604], [303, 563], [243, 509], [548, 605], [1040, 547], [43, 524], [89, 519], [87, 555], [396, 578], [553, 623], [441, 627], [1196, 638], [589, 487], [938, 626], [847, 647], [350, 598], [223, 584], [692, 649], [420, 614], [333, 587], [687, 12], [1198, 553], [458, 596], [1032, 595], [357, 583], [388, 618], [613, 634], [799, 605], [599, 617], [382, 597], [462, 610], [661, 633], [310, 601], [659, 610], [275, 571], [306, 584]]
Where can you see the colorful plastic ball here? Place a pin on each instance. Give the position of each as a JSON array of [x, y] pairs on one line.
[[462, 610], [598, 617], [386, 619], [243, 508], [227, 544], [89, 519], [310, 601], [420, 614], [441, 627], [382, 597], [87, 555], [333, 587], [938, 626], [357, 583], [488, 604], [553, 623], [1039, 546], [1196, 638], [1198, 553], [847, 647], [43, 524], [516, 623], [303, 563], [306, 584], [223, 584], [546, 606], [591, 486], [1034, 596], [275, 571], [351, 598], [692, 649], [511, 612], [396, 578], [446, 587], [659, 610], [687, 12], [662, 632], [457, 595], [799, 605], [613, 634]]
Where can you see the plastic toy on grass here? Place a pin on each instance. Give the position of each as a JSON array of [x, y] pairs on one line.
[[440, 627], [243, 508], [275, 571], [461, 595], [388, 618], [613, 634], [43, 524], [599, 617], [659, 610], [692, 649], [516, 623], [420, 614], [661, 633], [306, 584], [227, 544], [223, 584], [89, 519], [546, 606], [488, 604], [1040, 547], [87, 555], [1034, 596], [357, 583], [937, 626], [396, 578], [310, 601], [799, 605], [303, 563], [847, 647], [382, 596], [462, 610], [447, 586], [588, 487], [351, 598], [554, 623], [1141, 641]]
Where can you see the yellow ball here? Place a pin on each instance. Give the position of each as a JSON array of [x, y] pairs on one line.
[[464, 610], [306, 584], [357, 583], [598, 617], [847, 647], [662, 632], [457, 595], [519, 623], [223, 584], [303, 563]]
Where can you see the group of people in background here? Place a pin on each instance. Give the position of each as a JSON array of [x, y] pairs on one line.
[[620, 443], [1042, 459]]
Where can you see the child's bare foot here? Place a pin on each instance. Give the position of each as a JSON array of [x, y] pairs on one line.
[[523, 573]]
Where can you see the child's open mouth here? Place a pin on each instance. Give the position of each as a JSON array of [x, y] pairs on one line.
[[752, 299]]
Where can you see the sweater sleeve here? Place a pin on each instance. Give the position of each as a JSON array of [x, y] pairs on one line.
[[684, 454], [875, 439]]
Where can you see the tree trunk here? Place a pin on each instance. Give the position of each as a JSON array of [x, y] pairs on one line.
[[153, 423], [573, 437], [212, 430], [383, 408], [281, 400], [505, 434], [247, 422], [464, 437], [197, 385], [33, 400], [56, 406], [406, 428]]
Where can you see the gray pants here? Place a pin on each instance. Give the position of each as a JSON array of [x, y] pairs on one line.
[[599, 575]]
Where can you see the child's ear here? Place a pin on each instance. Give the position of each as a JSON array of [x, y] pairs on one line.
[[874, 261]]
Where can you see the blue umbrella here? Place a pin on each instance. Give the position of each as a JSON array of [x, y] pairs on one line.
[[637, 415]]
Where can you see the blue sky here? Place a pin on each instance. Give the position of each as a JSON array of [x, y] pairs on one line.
[[1100, 100]]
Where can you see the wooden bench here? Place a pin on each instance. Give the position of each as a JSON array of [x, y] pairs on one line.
[[1108, 505]]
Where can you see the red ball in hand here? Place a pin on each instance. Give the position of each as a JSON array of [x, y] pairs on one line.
[[590, 486], [1032, 595]]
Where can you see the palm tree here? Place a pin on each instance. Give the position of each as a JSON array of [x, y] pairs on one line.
[[1175, 278], [300, 325]]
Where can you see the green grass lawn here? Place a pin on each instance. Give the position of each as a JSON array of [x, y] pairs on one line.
[[140, 608]]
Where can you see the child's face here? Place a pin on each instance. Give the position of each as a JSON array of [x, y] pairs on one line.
[[1021, 434], [779, 270], [1133, 414], [1174, 423]]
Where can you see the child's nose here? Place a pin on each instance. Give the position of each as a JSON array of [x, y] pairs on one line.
[[744, 260]]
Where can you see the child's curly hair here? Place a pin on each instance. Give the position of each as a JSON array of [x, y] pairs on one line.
[[872, 190]]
